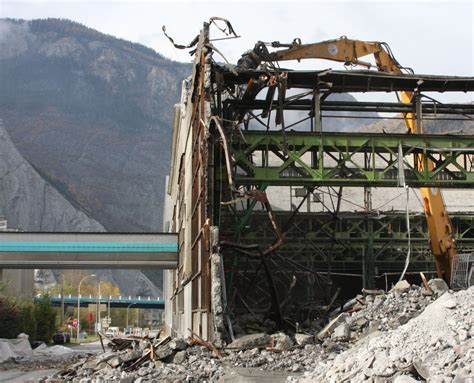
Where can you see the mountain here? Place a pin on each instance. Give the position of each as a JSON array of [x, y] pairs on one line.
[[435, 127], [90, 115], [346, 121], [93, 114], [31, 203], [334, 122], [28, 202]]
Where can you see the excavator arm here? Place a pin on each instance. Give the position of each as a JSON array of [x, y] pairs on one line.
[[349, 52]]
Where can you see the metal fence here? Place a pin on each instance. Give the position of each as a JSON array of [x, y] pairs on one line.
[[462, 271]]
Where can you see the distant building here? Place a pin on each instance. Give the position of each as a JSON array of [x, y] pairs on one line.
[[19, 282]]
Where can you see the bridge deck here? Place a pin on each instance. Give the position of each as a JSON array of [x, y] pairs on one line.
[[88, 250], [114, 302]]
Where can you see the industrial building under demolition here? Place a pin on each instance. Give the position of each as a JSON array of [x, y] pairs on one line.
[[279, 219]]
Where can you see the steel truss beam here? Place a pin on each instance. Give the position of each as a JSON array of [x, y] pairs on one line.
[[341, 159], [357, 81], [355, 106]]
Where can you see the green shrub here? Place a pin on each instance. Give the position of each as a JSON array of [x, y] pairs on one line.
[[37, 319], [10, 325], [28, 320], [45, 316]]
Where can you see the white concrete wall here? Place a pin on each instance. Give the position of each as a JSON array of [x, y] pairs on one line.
[[181, 156]]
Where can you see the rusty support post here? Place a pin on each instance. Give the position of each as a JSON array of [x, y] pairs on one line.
[[317, 112], [419, 114]]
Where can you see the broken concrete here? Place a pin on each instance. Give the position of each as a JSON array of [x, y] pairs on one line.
[[342, 332], [260, 340], [331, 326], [178, 344], [438, 286], [281, 341], [430, 346], [304, 339], [402, 286]]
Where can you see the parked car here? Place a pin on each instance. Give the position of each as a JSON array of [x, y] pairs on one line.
[[112, 332], [61, 337]]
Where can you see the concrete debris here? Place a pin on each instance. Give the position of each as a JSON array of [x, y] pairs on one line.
[[402, 286], [304, 339], [179, 357], [178, 344], [401, 336], [438, 286], [281, 341], [260, 340], [449, 303], [342, 332], [435, 346], [331, 326]]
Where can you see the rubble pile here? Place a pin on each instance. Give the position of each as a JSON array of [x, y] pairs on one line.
[[437, 346], [273, 352], [388, 311], [410, 332], [192, 359], [144, 360]]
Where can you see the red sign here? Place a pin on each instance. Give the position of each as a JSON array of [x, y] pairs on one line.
[[74, 323], [90, 317]]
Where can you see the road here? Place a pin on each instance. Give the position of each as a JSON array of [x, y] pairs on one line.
[[88, 347]]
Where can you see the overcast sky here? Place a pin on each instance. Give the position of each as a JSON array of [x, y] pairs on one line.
[[433, 37]]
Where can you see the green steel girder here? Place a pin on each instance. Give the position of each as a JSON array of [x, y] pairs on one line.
[[342, 159]]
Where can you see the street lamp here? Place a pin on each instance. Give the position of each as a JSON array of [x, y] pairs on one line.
[[79, 304], [98, 326], [131, 304]]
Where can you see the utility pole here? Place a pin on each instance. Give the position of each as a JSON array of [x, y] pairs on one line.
[[79, 304], [128, 307], [97, 327], [62, 300], [108, 312]]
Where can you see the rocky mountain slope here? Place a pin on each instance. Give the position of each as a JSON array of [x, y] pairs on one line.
[[28, 202], [436, 127], [92, 113]]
